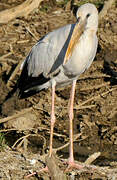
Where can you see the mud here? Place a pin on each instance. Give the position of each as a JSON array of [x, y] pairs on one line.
[[95, 108]]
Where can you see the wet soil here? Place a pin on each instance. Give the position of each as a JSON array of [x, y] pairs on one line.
[[24, 133]]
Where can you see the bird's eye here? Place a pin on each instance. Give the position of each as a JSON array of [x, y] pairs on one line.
[[78, 19], [88, 15]]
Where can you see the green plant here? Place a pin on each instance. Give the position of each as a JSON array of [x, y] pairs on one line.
[[2, 141], [44, 8]]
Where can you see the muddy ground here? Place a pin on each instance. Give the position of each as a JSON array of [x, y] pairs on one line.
[[25, 127]]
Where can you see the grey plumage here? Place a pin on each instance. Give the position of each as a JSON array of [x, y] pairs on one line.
[[45, 59], [45, 63]]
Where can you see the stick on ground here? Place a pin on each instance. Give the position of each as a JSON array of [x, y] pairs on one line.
[[108, 4], [54, 170], [21, 10]]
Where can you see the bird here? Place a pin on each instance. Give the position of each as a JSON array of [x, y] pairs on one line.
[[57, 60]]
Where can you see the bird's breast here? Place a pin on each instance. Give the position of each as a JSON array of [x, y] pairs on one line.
[[82, 55]]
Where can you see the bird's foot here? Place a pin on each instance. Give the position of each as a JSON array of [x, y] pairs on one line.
[[73, 165], [43, 170], [40, 171]]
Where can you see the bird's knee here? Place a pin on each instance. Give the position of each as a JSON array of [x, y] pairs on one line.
[[53, 119], [71, 115]]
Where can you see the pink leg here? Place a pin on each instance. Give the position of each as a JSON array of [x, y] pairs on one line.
[[39, 172], [51, 132], [71, 115], [52, 119]]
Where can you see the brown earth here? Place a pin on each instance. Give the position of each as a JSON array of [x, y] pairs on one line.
[[95, 109]]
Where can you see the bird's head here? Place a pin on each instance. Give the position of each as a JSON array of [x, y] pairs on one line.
[[88, 13]]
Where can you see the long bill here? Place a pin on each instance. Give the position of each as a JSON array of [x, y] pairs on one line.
[[76, 34]]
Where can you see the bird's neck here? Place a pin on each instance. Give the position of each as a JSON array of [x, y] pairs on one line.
[[91, 31]]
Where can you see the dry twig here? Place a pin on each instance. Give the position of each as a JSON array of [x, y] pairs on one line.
[[97, 97], [92, 158], [21, 10], [13, 74], [93, 77], [84, 107], [32, 34], [7, 130], [108, 4], [22, 139], [56, 173], [5, 55], [95, 87], [76, 136], [3, 120]]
